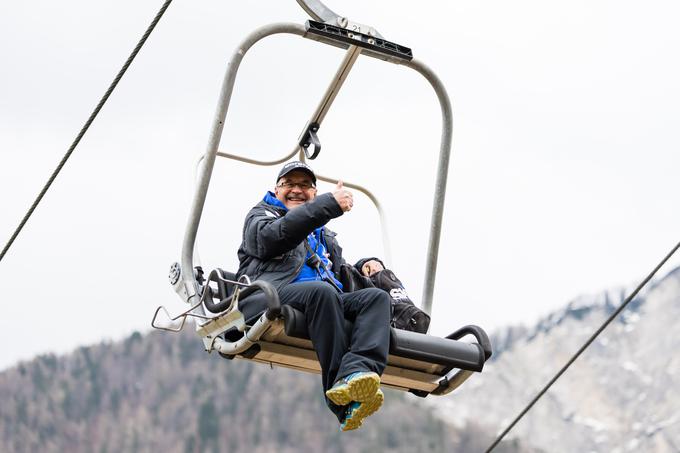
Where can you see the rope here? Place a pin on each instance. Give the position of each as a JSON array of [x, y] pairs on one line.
[[86, 126], [583, 348]]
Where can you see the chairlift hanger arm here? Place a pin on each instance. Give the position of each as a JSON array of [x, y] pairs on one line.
[[319, 11]]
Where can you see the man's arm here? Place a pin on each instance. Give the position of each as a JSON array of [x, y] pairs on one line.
[[267, 237]]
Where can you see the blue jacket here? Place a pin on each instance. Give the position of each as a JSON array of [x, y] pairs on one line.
[[316, 242], [272, 247]]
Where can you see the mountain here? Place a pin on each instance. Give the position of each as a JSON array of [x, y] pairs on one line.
[[621, 395], [162, 392]]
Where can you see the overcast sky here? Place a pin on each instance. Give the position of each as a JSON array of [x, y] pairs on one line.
[[563, 177]]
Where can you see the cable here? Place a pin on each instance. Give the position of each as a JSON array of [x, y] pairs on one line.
[[86, 126], [583, 348]]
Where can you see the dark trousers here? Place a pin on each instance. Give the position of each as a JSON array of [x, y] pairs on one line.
[[340, 354]]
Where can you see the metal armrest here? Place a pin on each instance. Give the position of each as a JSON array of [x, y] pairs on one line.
[[479, 334]]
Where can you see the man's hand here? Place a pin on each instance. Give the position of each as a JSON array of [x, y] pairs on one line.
[[343, 197], [371, 267]]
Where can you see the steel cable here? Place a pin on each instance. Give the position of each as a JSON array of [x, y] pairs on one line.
[[583, 348], [86, 126]]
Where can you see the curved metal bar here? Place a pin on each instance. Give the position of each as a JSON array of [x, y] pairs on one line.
[[479, 334], [250, 338], [211, 152], [197, 258], [320, 12], [172, 320], [440, 183], [451, 382], [381, 213], [260, 162], [273, 303]]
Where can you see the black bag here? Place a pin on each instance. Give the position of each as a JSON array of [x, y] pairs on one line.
[[405, 315]]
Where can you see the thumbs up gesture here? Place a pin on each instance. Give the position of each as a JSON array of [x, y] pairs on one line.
[[343, 197]]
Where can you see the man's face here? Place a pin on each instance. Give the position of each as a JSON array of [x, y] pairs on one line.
[[295, 189]]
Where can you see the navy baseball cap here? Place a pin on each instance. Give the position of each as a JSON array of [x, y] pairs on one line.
[[299, 166]]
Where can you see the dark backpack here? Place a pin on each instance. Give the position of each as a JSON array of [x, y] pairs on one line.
[[405, 315]]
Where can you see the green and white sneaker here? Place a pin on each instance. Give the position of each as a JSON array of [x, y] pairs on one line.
[[357, 412], [360, 386]]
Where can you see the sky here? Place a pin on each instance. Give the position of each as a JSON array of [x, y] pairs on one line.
[[563, 175]]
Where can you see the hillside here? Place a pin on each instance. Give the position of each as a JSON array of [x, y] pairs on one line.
[[621, 395], [162, 392]]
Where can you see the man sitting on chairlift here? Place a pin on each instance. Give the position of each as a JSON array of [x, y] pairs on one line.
[[286, 242]]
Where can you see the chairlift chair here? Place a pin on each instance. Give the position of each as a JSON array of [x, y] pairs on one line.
[[420, 363]]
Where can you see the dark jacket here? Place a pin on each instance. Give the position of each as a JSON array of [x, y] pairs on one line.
[[272, 248]]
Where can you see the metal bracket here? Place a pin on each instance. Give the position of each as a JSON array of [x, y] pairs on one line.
[[185, 292], [210, 330], [359, 35]]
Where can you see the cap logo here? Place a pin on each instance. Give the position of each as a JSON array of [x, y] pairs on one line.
[[290, 166]]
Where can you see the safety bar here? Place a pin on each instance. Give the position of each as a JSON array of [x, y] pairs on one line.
[[381, 212], [334, 88], [308, 135]]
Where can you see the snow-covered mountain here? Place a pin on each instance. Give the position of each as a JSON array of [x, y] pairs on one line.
[[621, 395]]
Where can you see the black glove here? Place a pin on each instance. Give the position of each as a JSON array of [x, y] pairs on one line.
[[352, 279]]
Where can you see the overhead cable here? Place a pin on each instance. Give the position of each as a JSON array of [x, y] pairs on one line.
[[583, 348], [86, 126]]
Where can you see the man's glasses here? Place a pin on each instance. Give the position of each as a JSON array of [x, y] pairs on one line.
[[305, 185]]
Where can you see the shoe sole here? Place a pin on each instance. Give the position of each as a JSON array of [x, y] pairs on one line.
[[359, 389], [371, 406], [366, 409], [351, 424]]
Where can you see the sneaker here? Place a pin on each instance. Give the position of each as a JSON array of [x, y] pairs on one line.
[[360, 386], [357, 412]]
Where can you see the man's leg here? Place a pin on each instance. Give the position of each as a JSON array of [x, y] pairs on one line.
[[322, 307], [369, 310], [364, 362]]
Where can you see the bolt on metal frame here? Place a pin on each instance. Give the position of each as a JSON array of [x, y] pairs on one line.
[[189, 283]]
